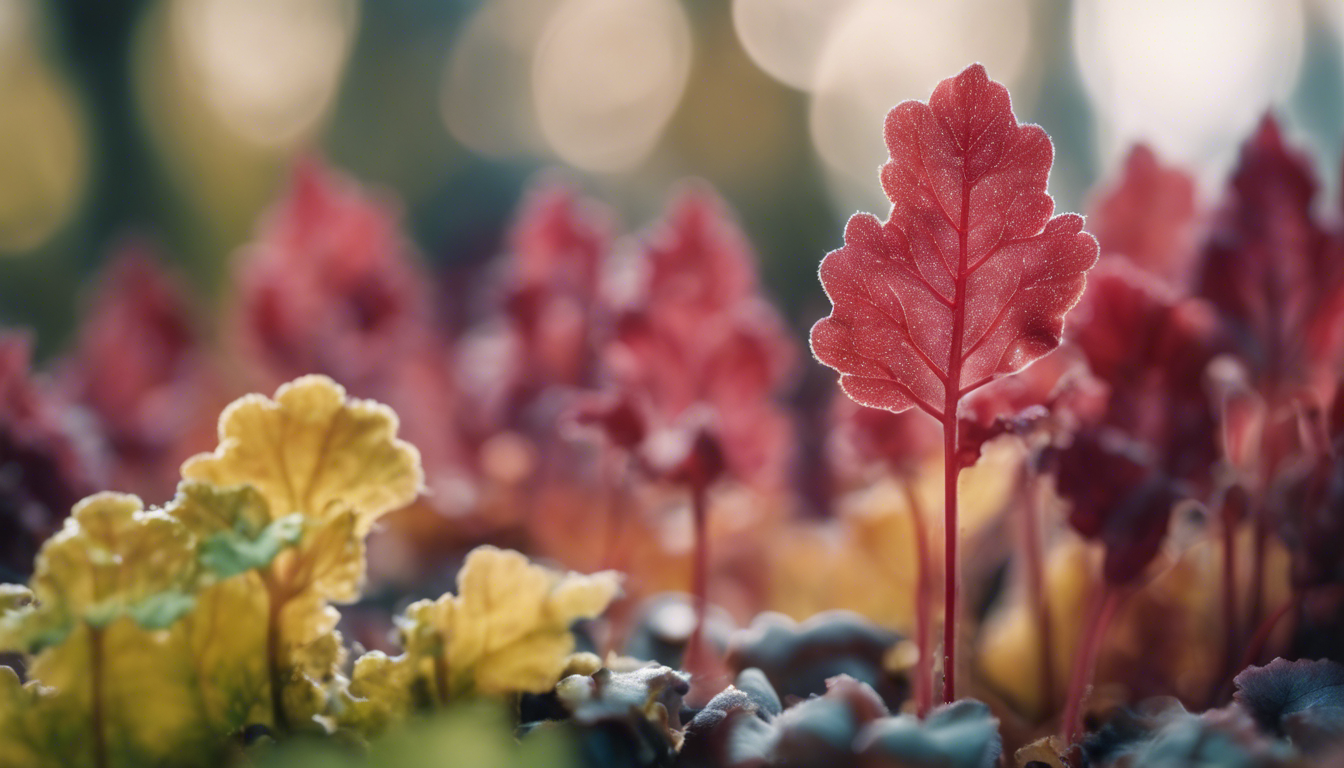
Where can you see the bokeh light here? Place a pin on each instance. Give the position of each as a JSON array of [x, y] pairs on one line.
[[485, 98], [43, 159], [269, 68], [1190, 78], [606, 78], [786, 37], [883, 52]]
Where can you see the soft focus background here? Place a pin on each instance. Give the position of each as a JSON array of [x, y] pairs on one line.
[[174, 119]]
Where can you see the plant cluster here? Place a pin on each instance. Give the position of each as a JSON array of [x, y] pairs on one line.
[[1131, 451]]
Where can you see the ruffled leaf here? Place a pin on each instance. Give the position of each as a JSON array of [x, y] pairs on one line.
[[506, 630], [1273, 271], [1285, 693], [969, 279], [314, 452]]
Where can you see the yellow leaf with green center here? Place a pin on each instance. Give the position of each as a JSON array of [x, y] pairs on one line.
[[314, 451], [507, 629], [330, 464], [108, 593]]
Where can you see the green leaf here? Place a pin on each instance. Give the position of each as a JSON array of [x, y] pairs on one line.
[[229, 553]]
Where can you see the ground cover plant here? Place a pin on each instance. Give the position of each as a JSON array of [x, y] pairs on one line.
[[590, 521]]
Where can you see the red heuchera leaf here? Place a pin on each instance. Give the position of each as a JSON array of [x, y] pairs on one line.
[[859, 437], [699, 263], [1308, 499], [141, 367], [1048, 398], [48, 459], [558, 248], [970, 278], [703, 337], [1274, 274], [1118, 495], [1155, 438], [1151, 348], [1148, 216], [329, 285]]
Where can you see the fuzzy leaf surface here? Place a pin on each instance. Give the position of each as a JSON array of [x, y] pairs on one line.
[[970, 277]]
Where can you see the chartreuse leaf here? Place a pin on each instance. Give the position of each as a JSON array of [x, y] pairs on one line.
[[160, 633], [323, 468], [506, 630], [315, 452], [103, 591], [235, 527]]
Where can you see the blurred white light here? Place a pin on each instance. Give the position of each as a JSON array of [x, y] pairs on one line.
[[486, 84], [883, 52], [1190, 78], [607, 77], [268, 68], [43, 143], [786, 37], [15, 23]]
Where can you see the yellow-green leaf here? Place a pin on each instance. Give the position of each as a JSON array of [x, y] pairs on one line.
[[313, 451], [506, 630]]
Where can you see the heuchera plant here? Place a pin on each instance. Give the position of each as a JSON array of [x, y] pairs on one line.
[[968, 280], [158, 636]]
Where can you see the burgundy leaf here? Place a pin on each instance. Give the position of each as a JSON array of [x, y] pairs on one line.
[[859, 436], [1274, 274], [49, 459], [1152, 349], [331, 285], [1148, 217], [558, 248], [1048, 398], [1119, 496], [703, 337], [970, 277], [141, 366], [699, 263]]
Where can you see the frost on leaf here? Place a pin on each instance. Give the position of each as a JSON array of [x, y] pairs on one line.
[[506, 630], [970, 277]]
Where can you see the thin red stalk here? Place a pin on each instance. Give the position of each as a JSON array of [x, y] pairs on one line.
[[700, 569], [952, 463], [1085, 661], [923, 605], [1035, 560], [951, 567], [96, 672]]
